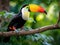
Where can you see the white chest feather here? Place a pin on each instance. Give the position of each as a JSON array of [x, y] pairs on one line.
[[25, 13]]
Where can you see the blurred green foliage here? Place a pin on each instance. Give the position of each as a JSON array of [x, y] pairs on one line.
[[36, 20]]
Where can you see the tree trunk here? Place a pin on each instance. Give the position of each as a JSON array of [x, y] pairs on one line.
[[4, 5]]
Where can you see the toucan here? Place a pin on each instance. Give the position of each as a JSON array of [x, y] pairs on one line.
[[20, 19]]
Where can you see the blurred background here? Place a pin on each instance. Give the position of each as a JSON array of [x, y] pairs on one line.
[[9, 8]]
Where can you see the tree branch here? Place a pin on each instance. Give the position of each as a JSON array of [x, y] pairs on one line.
[[42, 29], [33, 31]]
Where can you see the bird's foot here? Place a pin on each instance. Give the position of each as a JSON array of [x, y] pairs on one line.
[[16, 31]]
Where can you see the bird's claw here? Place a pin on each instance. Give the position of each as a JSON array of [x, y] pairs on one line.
[[16, 31]]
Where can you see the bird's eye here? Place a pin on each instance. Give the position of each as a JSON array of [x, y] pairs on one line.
[[28, 8]]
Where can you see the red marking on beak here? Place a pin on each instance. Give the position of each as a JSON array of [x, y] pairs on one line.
[[41, 10]]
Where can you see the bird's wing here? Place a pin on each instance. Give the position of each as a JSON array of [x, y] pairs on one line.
[[14, 20]]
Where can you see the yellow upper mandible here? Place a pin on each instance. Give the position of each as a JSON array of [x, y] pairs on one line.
[[34, 7]]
